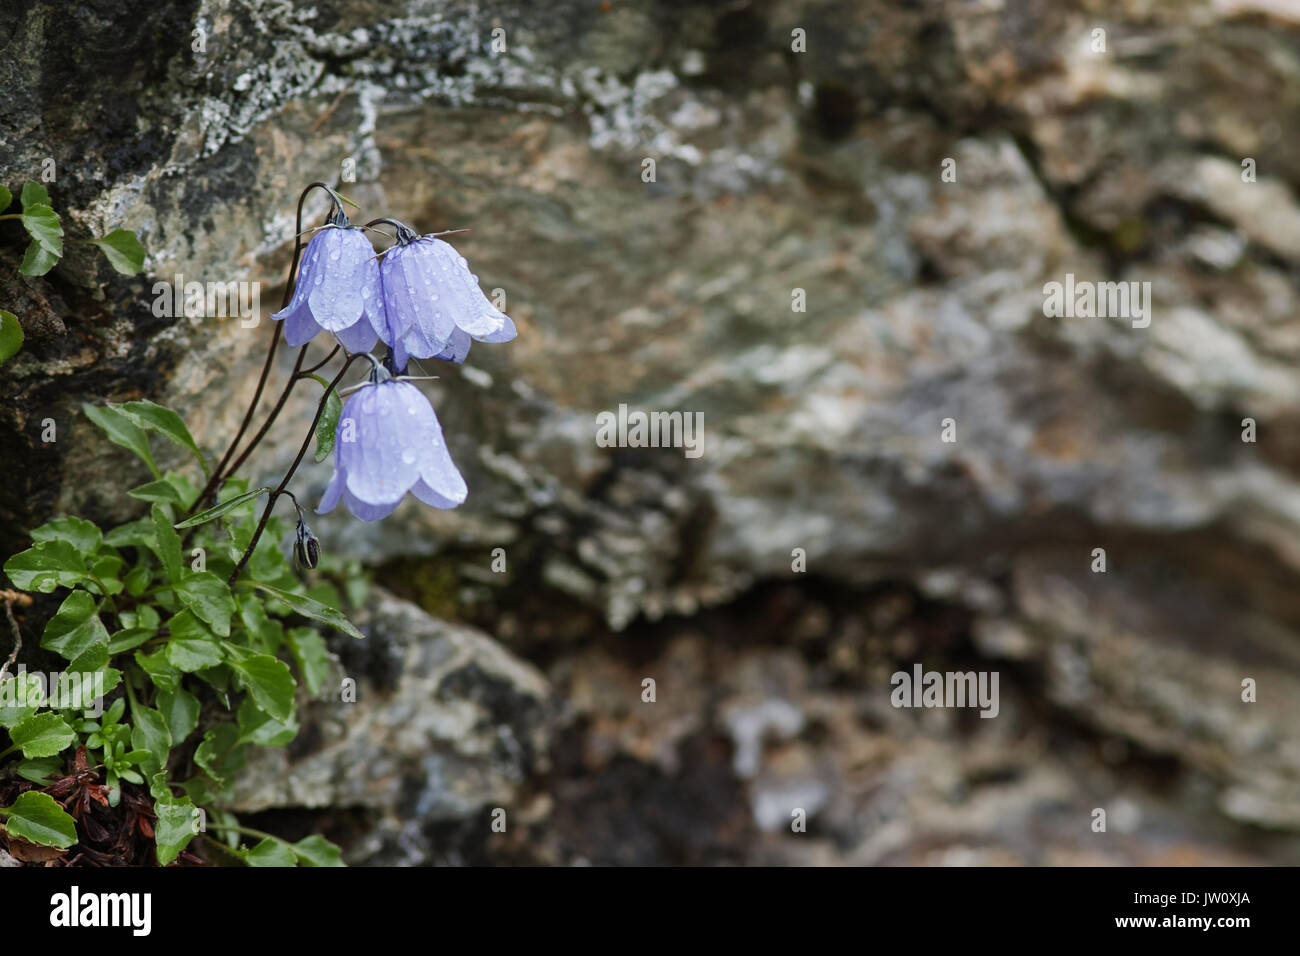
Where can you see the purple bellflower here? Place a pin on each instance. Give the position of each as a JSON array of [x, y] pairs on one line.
[[388, 442], [432, 306], [338, 289]]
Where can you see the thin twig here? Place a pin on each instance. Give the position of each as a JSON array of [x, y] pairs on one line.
[[288, 475], [10, 597]]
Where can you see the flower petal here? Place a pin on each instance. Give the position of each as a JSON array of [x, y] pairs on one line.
[[470, 308], [366, 511], [410, 296], [381, 462], [334, 291], [332, 491], [299, 327]]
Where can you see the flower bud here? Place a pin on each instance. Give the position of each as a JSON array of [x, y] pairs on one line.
[[306, 547]]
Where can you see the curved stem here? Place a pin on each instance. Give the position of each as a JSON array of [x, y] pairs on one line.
[[220, 471], [275, 412], [288, 475]]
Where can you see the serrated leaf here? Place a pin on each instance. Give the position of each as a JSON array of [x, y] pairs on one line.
[[315, 850], [191, 646], [36, 818], [267, 679], [123, 251], [209, 598], [153, 417], [218, 510], [43, 225], [11, 335], [46, 566], [75, 627], [176, 825], [83, 535], [42, 735], [150, 733], [121, 430], [34, 194], [313, 609]]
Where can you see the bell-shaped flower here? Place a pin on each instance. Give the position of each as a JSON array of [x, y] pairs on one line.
[[388, 442], [337, 290], [432, 304]]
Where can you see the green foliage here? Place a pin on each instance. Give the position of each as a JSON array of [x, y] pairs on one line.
[[45, 230], [195, 671]]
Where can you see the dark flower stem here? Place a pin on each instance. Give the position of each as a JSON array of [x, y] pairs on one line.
[[288, 475], [221, 472]]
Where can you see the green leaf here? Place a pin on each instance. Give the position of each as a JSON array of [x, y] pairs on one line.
[[150, 733], [308, 649], [129, 639], [78, 532], [209, 598], [258, 727], [11, 335], [6, 197], [41, 769], [191, 646], [37, 260], [123, 251], [313, 609], [180, 709], [315, 850], [42, 735], [75, 627], [270, 852], [267, 679], [265, 634], [20, 701], [42, 224], [160, 671], [121, 430], [169, 544], [34, 194], [161, 491], [36, 818], [45, 567], [177, 824], [217, 511], [327, 426], [164, 421], [219, 753]]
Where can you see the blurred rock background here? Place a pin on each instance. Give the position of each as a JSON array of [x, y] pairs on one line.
[[197, 123]]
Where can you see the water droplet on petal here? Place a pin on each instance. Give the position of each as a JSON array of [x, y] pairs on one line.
[[408, 456]]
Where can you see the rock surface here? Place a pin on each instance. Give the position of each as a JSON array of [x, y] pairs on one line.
[[775, 171]]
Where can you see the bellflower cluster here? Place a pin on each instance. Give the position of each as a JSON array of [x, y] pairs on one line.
[[422, 302]]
